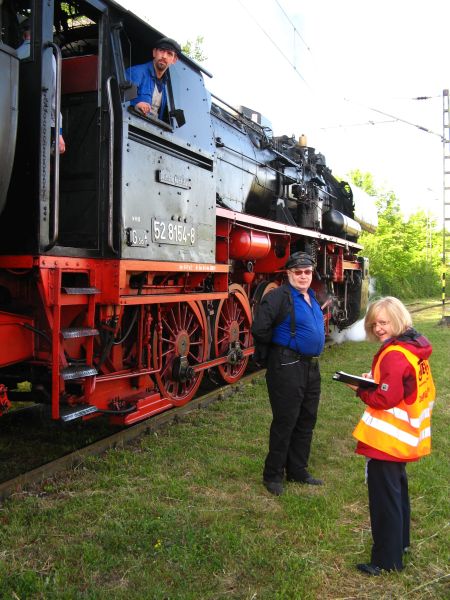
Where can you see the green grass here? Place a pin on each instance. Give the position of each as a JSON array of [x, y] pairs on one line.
[[181, 513]]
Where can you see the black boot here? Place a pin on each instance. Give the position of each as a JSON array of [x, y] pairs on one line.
[[274, 487]]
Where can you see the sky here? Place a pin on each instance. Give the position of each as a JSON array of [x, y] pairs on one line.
[[344, 73]]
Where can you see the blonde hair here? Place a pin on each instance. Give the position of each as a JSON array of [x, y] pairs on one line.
[[398, 314]]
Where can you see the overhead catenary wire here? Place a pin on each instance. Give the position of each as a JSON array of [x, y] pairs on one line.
[[393, 118], [381, 112], [366, 123], [272, 41], [296, 31], [412, 98]]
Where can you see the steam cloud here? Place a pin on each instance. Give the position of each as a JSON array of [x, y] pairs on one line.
[[354, 333]]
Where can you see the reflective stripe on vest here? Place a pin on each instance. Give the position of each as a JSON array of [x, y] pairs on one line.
[[405, 430]]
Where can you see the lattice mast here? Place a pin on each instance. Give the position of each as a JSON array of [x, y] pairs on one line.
[[446, 204]]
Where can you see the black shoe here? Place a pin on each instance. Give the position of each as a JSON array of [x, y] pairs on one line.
[[313, 481], [369, 568], [274, 487], [309, 479]]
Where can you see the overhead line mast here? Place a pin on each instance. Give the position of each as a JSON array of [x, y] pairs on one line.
[[446, 203]]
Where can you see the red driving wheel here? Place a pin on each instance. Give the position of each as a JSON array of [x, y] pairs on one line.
[[232, 333], [181, 344]]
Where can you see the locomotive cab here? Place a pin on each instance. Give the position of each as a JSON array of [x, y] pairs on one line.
[[56, 200], [176, 155]]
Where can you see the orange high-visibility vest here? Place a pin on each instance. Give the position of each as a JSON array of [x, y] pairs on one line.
[[405, 430]]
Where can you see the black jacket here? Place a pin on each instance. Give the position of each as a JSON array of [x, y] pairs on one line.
[[271, 311]]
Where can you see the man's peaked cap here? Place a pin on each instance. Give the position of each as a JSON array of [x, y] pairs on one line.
[[299, 260], [166, 43]]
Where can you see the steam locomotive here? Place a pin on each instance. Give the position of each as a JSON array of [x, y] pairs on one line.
[[131, 265]]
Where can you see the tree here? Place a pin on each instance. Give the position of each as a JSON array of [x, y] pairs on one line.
[[402, 260], [194, 49]]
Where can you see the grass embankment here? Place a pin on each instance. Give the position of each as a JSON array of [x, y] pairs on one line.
[[182, 514]]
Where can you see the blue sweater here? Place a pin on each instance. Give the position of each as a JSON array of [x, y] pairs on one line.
[[144, 77]]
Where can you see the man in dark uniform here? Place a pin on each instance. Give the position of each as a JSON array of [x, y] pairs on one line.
[[289, 321]]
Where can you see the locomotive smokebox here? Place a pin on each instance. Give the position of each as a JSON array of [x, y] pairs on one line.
[[246, 244]]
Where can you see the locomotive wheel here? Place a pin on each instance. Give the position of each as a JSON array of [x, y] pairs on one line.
[[232, 333], [183, 345]]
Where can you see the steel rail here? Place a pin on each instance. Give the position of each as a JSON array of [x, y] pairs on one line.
[[69, 461], [428, 306]]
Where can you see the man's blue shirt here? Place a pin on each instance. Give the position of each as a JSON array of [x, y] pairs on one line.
[[144, 77], [309, 327]]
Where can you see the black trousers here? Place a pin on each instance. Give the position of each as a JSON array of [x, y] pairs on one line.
[[389, 512], [294, 392]]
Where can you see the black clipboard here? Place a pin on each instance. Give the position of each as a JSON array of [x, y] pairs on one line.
[[354, 380]]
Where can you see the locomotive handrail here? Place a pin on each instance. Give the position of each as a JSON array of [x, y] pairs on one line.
[[110, 166], [233, 108], [245, 121], [53, 234]]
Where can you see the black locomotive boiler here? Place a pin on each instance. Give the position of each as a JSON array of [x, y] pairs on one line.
[[130, 266]]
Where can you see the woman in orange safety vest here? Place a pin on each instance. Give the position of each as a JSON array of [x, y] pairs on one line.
[[395, 427]]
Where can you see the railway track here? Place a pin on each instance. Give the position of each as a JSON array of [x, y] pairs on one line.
[[119, 438], [418, 307]]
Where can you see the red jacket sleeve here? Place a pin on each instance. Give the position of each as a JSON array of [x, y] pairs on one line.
[[397, 383]]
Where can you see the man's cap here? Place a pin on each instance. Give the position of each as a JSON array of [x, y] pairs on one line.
[[300, 259], [166, 43]]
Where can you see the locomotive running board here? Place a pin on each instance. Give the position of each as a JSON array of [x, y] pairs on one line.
[[70, 413], [267, 224]]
